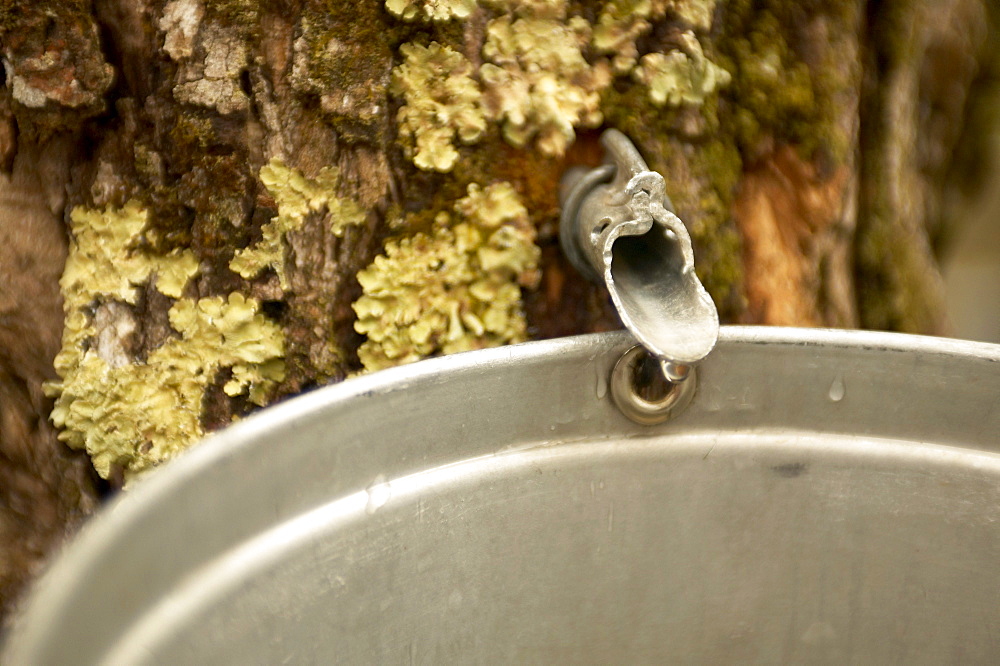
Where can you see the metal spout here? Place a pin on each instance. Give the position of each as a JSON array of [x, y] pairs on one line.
[[618, 226]]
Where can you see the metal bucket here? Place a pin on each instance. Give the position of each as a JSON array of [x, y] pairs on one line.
[[826, 497]]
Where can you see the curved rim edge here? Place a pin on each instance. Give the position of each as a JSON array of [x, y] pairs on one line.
[[45, 595]]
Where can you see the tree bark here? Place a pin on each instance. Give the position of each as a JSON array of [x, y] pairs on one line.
[[224, 173]]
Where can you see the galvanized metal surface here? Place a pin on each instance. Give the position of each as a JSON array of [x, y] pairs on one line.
[[826, 497]]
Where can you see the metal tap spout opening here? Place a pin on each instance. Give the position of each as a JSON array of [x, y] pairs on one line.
[[618, 226]]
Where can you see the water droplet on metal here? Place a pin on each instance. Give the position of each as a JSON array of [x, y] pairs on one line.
[[378, 494], [602, 380], [837, 389]]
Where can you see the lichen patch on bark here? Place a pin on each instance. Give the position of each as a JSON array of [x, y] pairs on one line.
[[433, 10], [684, 76], [441, 104], [455, 289], [537, 84], [296, 197], [130, 413]]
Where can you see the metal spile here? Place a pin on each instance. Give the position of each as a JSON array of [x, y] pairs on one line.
[[618, 226]]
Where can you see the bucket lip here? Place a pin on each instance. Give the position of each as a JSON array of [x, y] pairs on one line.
[[43, 604], [226, 441]]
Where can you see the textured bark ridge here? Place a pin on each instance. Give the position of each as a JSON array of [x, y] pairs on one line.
[[45, 488], [257, 197]]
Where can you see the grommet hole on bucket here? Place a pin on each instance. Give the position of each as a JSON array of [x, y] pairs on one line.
[[641, 390], [648, 380]]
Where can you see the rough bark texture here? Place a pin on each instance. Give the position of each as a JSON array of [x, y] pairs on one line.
[[807, 145], [45, 488]]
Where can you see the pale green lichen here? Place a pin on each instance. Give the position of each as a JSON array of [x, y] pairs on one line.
[[174, 271], [619, 25], [138, 415], [543, 9], [622, 22], [455, 289], [432, 10], [133, 414], [102, 260], [537, 83], [441, 104], [680, 77], [697, 13], [296, 197]]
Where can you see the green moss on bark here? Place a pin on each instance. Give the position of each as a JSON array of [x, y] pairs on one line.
[[342, 55], [786, 90]]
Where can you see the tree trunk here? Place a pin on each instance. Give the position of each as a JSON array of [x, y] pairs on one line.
[[253, 198]]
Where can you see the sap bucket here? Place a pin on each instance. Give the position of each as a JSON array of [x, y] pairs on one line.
[[816, 497]]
